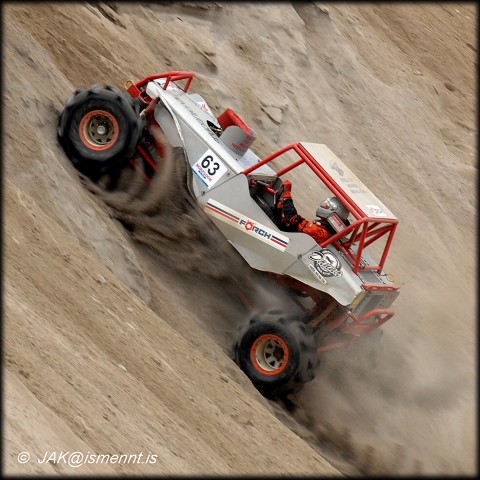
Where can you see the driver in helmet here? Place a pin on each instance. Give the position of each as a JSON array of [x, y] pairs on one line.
[[290, 220]]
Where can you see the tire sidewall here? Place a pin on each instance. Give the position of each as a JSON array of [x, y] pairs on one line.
[[119, 106], [268, 383], [117, 147]]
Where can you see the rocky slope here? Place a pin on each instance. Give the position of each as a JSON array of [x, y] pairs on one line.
[[110, 350]]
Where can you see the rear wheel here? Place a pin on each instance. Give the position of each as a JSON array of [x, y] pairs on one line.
[[277, 352], [99, 129]]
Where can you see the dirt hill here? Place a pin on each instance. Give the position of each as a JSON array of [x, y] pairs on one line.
[[110, 350]]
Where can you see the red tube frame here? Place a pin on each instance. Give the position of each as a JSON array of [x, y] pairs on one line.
[[171, 77], [359, 325], [364, 227]]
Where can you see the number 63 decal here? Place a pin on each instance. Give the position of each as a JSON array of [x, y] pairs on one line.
[[209, 168], [210, 165]]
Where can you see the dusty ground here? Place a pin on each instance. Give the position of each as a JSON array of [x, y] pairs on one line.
[[108, 349]]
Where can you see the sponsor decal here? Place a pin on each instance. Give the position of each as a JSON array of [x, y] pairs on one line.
[[250, 227], [317, 274], [209, 169], [171, 85], [205, 107], [350, 184], [194, 114], [376, 210], [325, 264], [334, 166]]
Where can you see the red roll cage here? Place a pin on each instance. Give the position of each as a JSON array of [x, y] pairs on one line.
[[365, 229], [135, 89]]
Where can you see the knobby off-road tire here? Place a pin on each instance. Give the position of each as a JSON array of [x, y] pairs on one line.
[[277, 352], [99, 129]]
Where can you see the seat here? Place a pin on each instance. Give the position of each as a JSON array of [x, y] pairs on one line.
[[237, 136], [265, 199], [229, 117]]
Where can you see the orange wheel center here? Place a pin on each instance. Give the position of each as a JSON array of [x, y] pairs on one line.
[[269, 354], [98, 130]]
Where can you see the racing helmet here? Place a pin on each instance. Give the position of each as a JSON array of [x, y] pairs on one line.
[[332, 205]]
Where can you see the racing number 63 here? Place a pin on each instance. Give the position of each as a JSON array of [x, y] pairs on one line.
[[210, 165], [209, 168]]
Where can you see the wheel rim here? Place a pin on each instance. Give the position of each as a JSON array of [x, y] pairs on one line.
[[98, 130], [269, 354]]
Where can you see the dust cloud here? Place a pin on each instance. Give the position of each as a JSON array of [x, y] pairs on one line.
[[366, 401], [164, 217]]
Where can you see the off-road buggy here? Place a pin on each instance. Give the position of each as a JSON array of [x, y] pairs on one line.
[[340, 288]]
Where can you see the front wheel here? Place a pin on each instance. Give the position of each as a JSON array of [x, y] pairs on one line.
[[99, 128], [277, 352]]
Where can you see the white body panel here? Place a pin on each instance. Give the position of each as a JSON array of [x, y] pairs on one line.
[[348, 181], [223, 191]]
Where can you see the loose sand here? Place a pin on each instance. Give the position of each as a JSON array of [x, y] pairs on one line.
[[110, 349]]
